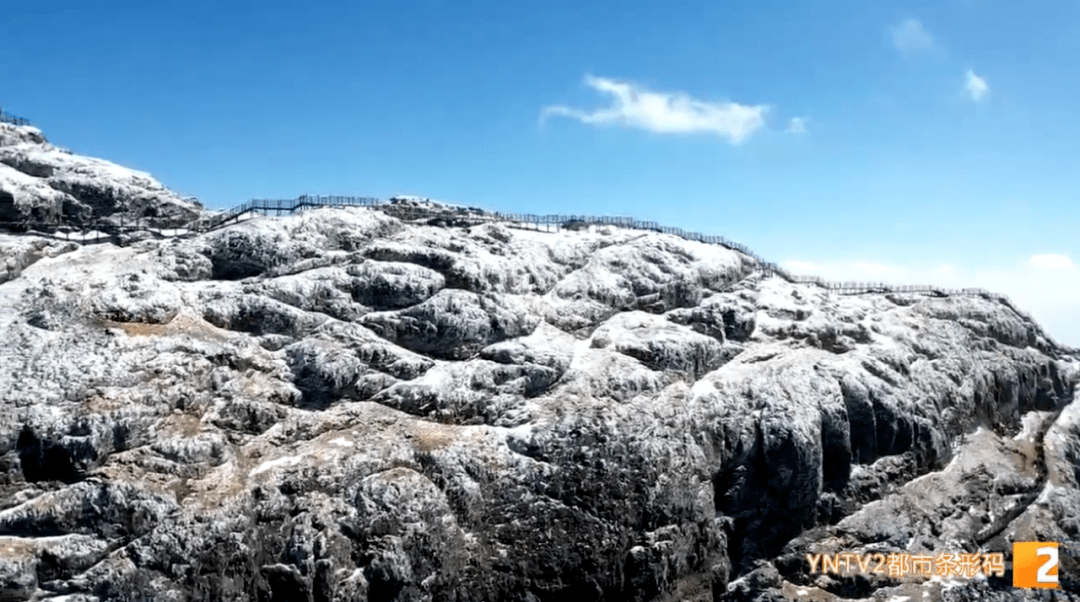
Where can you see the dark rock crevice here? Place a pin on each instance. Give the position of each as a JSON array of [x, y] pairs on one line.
[[48, 460]]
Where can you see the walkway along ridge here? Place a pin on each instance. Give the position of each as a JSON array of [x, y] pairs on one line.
[[411, 210]]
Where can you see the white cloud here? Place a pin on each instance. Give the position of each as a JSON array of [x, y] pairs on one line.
[[802, 268], [797, 125], [666, 112], [1051, 262], [879, 270], [976, 86], [910, 36], [945, 271]]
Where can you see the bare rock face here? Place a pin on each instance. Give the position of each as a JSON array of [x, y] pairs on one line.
[[347, 405], [42, 183]]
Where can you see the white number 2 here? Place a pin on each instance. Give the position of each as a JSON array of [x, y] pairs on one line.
[[1043, 574]]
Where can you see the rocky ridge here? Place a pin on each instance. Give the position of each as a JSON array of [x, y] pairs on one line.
[[43, 183], [349, 405]]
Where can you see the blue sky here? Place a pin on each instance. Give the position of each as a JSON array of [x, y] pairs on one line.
[[930, 142]]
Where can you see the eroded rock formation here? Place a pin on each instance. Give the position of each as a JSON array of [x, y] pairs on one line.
[[42, 183], [344, 405]]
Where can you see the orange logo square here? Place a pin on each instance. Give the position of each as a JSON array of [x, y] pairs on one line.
[[1035, 564]]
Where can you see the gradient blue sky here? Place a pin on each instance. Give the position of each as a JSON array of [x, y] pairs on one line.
[[908, 142]]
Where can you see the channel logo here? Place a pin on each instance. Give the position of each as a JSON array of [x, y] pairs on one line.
[[1035, 564]]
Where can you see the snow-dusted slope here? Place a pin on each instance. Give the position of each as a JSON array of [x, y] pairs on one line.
[[40, 182], [341, 405]]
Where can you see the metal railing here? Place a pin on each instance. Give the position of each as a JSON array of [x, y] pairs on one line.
[[8, 118], [104, 231], [110, 230]]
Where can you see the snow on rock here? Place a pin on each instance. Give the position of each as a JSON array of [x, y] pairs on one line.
[[660, 344], [453, 324], [343, 404], [654, 273], [40, 182], [24, 196], [11, 135], [18, 252]]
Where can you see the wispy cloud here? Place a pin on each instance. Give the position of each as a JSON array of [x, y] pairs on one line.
[[945, 271], [910, 36], [797, 125], [880, 270], [666, 112], [1051, 262], [858, 270], [802, 268], [976, 86]]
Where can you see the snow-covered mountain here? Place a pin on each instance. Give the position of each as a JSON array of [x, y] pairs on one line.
[[348, 405]]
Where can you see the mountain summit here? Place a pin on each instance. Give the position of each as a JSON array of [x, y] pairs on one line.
[[360, 404]]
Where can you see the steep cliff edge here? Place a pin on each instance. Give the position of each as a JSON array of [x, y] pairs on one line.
[[344, 405]]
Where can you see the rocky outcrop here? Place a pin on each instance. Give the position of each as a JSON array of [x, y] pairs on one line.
[[347, 405], [42, 183], [18, 252]]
